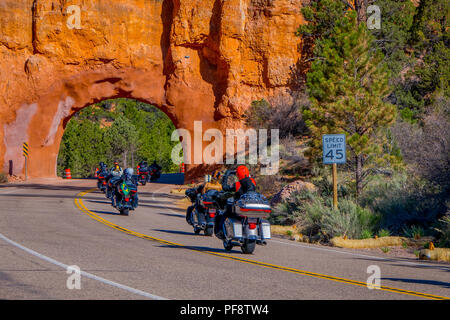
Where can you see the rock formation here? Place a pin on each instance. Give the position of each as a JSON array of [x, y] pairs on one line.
[[194, 59]]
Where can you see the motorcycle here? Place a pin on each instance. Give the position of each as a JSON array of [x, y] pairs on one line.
[[204, 211], [155, 174], [143, 176], [125, 197], [247, 227], [102, 184]]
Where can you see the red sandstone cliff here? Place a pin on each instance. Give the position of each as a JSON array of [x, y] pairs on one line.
[[195, 59]]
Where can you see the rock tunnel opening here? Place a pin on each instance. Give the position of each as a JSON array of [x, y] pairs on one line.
[[124, 130]]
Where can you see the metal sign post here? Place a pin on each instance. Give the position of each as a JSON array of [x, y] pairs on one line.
[[334, 152], [25, 149]]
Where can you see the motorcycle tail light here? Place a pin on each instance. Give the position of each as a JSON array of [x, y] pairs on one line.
[[127, 199], [252, 225], [133, 191], [212, 214]]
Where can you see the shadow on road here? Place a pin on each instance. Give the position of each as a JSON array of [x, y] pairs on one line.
[[177, 232], [419, 281], [202, 249], [417, 264], [98, 201], [43, 187], [159, 207], [171, 215], [107, 212]]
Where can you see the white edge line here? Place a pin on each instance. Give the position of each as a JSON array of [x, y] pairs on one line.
[[83, 273]]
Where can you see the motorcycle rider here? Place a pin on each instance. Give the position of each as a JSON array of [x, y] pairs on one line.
[[214, 184], [154, 165], [241, 187], [101, 168], [102, 171], [114, 176], [127, 178], [142, 165], [157, 174]]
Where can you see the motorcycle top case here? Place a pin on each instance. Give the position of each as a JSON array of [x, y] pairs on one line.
[[143, 169], [252, 205], [208, 199]]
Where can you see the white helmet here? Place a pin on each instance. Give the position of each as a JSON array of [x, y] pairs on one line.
[[129, 172]]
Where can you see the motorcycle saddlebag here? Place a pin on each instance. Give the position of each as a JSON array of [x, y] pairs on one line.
[[265, 229], [252, 205], [233, 228]]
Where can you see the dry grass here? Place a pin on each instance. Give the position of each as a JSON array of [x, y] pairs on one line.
[[438, 254], [378, 243], [181, 190], [283, 230]]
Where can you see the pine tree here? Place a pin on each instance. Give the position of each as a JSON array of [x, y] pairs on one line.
[[347, 85]]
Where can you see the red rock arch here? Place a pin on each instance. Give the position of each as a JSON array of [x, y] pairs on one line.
[[195, 60]]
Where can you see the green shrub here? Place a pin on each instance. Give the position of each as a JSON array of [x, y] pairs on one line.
[[315, 215], [290, 211], [413, 232], [3, 178], [366, 234], [350, 220], [444, 231], [384, 233], [401, 201]]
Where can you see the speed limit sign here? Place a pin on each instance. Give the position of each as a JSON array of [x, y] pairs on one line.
[[334, 148]]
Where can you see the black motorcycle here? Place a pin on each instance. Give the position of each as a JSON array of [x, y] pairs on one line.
[[143, 175], [102, 181], [155, 174], [125, 197], [202, 214]]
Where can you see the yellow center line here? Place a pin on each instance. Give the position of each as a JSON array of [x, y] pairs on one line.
[[80, 205]]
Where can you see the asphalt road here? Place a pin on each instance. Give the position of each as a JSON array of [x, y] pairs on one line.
[[47, 225]]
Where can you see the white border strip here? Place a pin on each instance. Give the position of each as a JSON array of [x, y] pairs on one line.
[[86, 274]]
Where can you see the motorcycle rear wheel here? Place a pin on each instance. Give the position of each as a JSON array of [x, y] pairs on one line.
[[124, 212], [248, 246], [209, 231]]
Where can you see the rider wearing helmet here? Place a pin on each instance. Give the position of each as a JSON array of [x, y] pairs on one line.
[[142, 166], [241, 187], [116, 170], [154, 165], [244, 185], [214, 184], [114, 177], [127, 178], [101, 168]]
